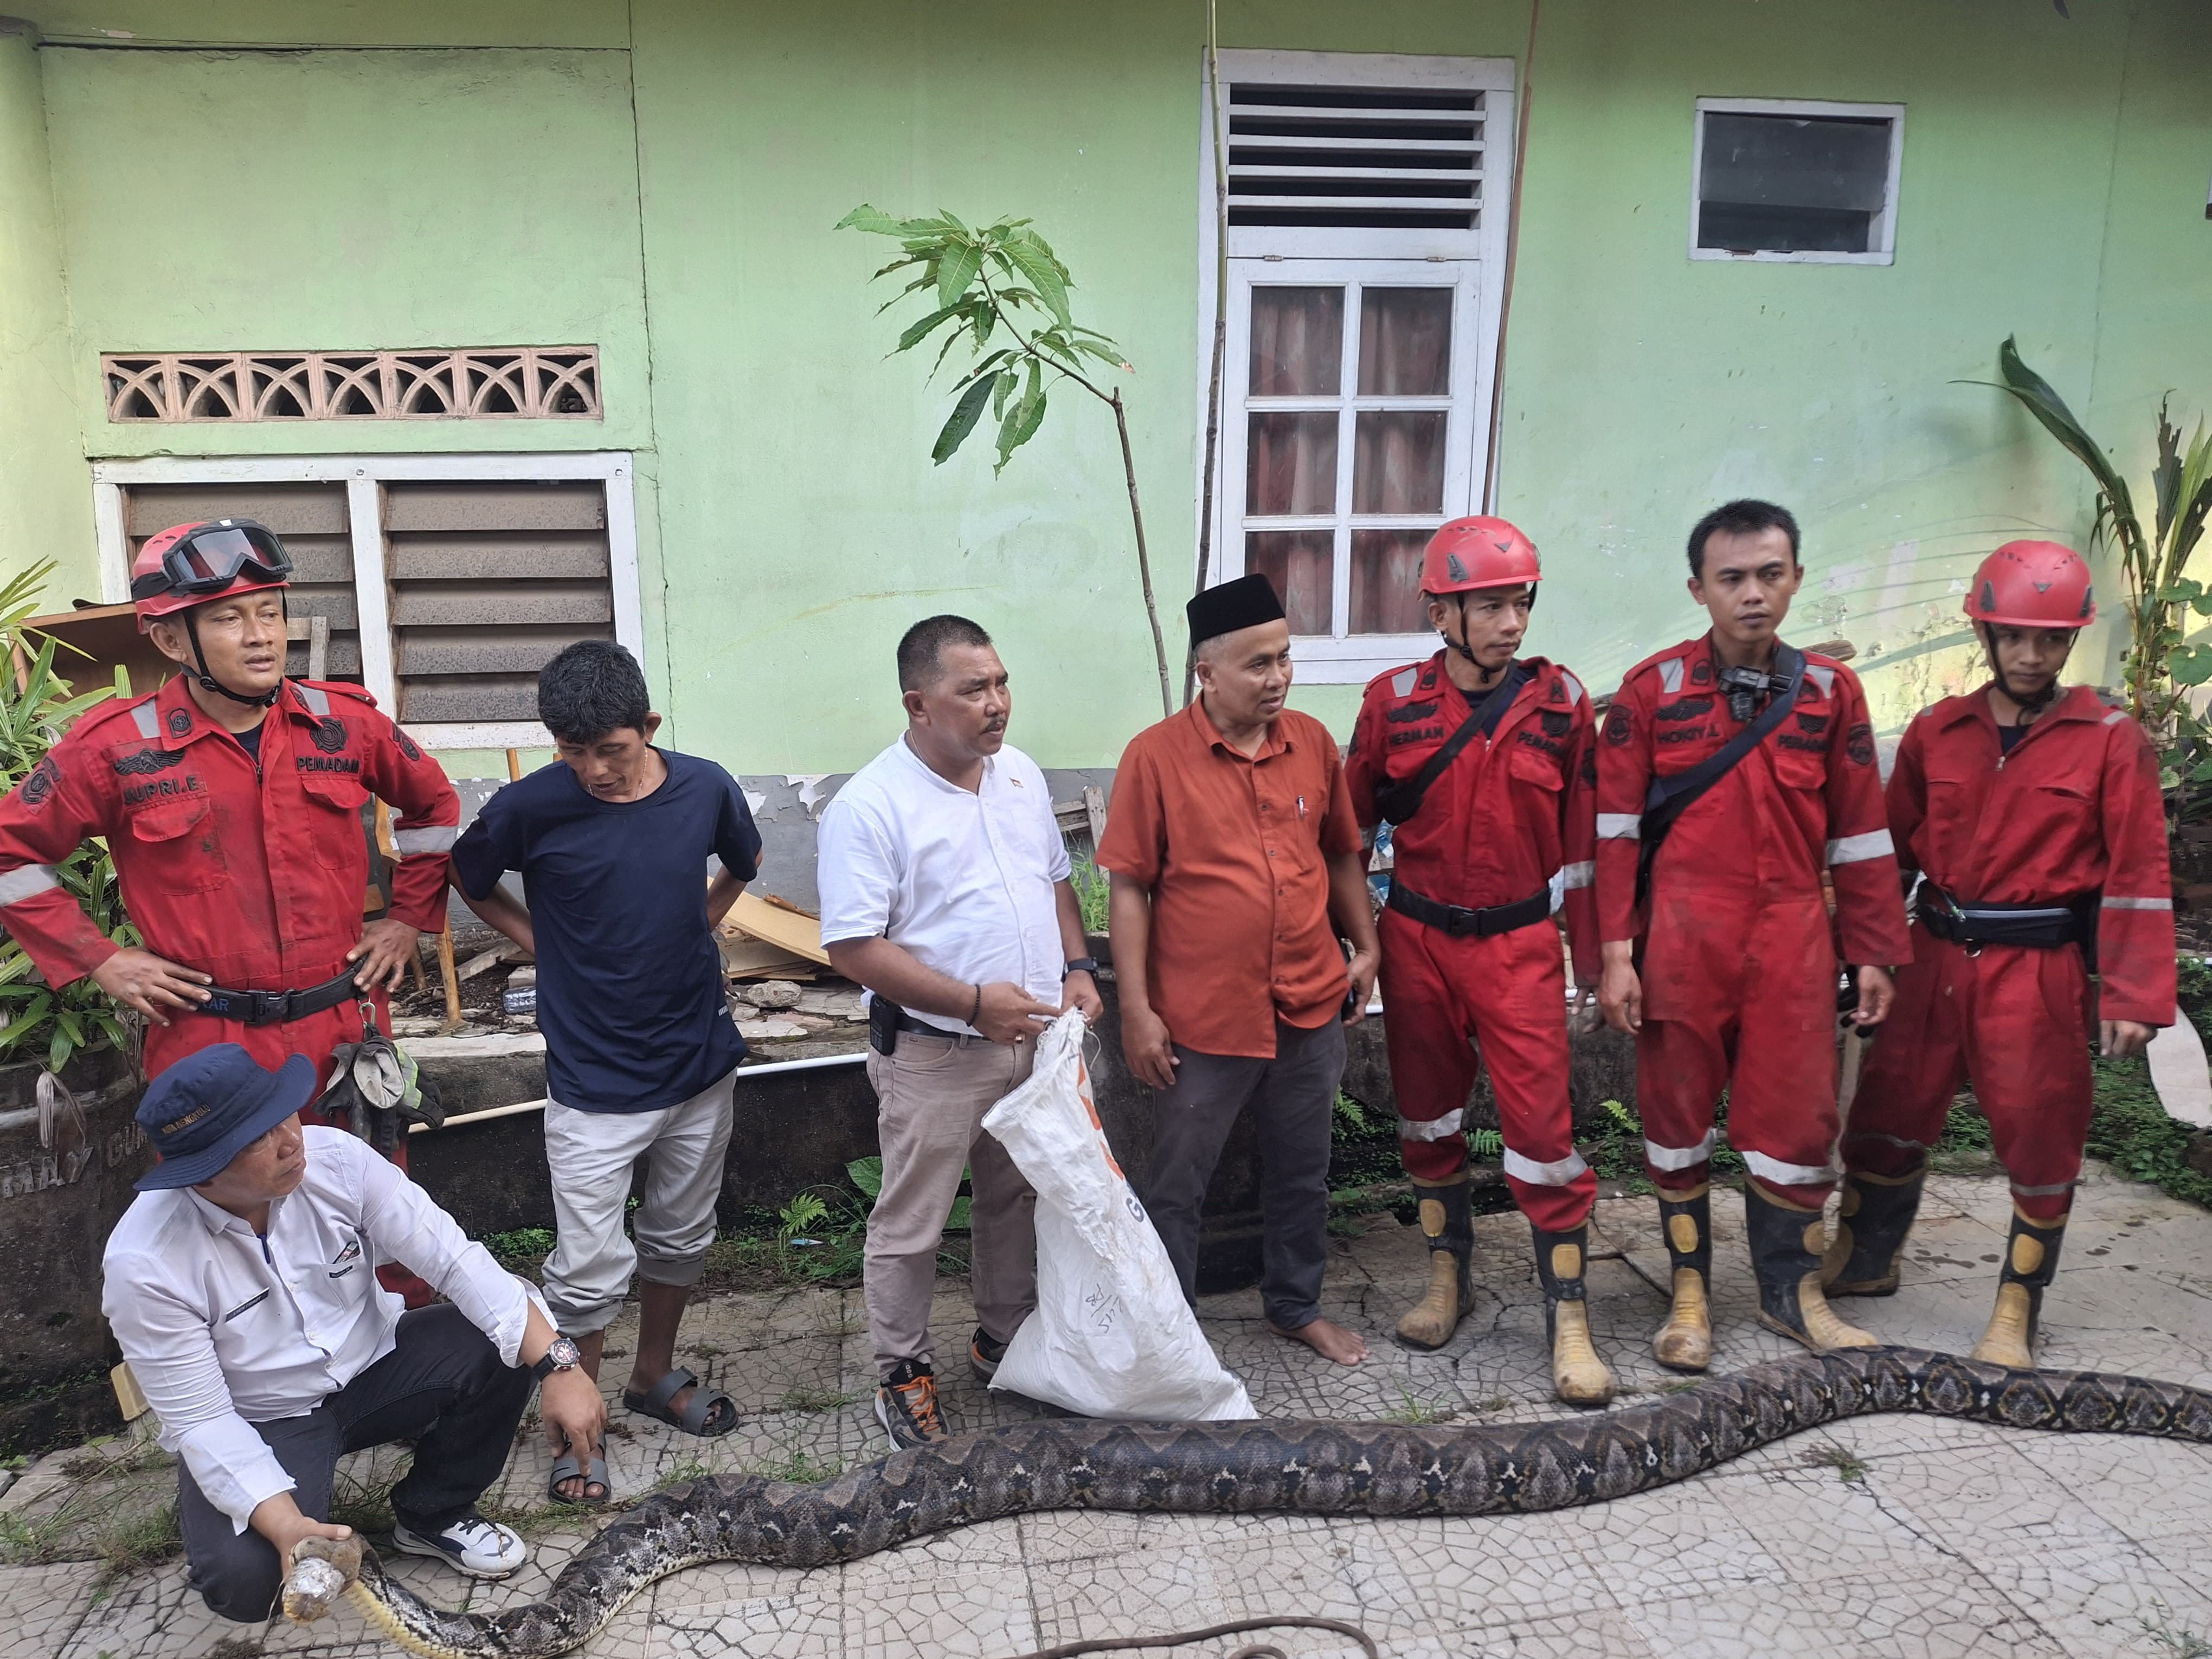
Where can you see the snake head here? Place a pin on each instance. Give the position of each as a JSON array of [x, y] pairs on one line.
[[323, 1570]]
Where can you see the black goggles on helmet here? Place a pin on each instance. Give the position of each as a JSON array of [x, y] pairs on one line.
[[215, 555]]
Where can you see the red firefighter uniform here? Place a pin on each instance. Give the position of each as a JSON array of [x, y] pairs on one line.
[[1507, 820], [2073, 814], [251, 870], [1738, 959]]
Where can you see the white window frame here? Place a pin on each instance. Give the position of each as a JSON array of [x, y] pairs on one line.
[[363, 477], [1884, 252], [1269, 254]]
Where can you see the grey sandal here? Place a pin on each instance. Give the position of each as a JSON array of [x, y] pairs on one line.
[[694, 1417], [593, 1472]]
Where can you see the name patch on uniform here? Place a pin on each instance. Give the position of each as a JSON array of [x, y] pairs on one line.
[[147, 760], [1412, 711], [134, 794], [1556, 750], [249, 1302], [1417, 735], [1792, 740], [1680, 734], [327, 763]]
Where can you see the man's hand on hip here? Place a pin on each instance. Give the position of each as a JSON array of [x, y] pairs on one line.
[[1009, 1014], [139, 979], [385, 949], [1146, 1047]]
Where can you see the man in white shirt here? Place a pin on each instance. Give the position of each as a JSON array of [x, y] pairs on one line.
[[241, 1285], [945, 891]]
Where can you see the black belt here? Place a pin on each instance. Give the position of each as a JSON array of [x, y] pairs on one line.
[[1973, 923], [278, 1007], [1458, 921]]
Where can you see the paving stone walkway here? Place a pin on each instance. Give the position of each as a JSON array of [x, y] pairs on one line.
[[1918, 1538]]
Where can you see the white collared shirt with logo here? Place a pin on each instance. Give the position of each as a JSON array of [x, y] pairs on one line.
[[224, 1327]]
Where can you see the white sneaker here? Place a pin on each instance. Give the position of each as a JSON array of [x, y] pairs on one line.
[[472, 1545]]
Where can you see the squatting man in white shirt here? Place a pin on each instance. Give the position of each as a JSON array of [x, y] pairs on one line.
[[241, 1285]]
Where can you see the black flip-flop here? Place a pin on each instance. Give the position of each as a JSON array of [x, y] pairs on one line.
[[694, 1417], [593, 1473]]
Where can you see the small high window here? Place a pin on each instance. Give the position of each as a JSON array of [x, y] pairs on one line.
[[1800, 182]]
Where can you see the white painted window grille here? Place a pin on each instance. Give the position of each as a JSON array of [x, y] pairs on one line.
[[449, 580], [559, 383], [1366, 235], [1795, 181]]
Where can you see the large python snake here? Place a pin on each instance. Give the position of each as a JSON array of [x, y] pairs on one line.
[[1328, 1469]]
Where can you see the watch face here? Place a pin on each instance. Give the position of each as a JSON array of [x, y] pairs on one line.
[[563, 1353]]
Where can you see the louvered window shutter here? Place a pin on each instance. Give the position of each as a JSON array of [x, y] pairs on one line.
[[488, 582], [1365, 157]]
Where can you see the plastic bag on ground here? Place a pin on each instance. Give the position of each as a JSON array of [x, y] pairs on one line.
[[1111, 1335]]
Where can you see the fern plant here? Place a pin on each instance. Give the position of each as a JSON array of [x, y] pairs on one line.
[[38, 1021]]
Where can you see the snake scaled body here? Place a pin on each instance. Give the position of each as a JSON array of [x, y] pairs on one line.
[[1261, 1466]]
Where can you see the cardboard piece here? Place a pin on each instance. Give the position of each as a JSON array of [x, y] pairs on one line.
[[774, 922]]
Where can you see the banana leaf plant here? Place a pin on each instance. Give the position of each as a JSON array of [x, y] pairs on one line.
[[1003, 291], [37, 1021], [2161, 667]]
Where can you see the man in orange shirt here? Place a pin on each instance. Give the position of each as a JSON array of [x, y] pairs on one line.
[[1233, 849]]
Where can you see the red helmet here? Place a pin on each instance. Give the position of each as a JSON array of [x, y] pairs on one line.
[[190, 564], [1480, 552], [2033, 585]]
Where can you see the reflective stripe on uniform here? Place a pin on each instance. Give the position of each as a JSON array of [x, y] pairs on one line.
[[2111, 903], [26, 882], [1670, 675], [1557, 1173], [2115, 717], [1402, 681], [143, 717], [411, 841], [1435, 1129], [1574, 686], [1619, 826], [1680, 1157], [1787, 1175], [1823, 676], [1854, 849], [319, 702], [1573, 875], [2043, 1192]]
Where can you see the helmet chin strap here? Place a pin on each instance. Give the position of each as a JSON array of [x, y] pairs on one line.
[[2031, 703], [266, 700], [1459, 600]]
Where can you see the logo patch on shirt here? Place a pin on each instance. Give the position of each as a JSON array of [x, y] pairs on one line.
[[406, 745], [179, 722], [147, 761], [249, 1302], [1811, 722], [41, 783], [1589, 768], [1688, 708], [1617, 724], [1702, 674], [330, 734], [1412, 711], [1858, 743], [1556, 722]]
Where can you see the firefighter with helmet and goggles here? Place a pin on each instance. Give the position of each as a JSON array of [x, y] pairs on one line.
[[1481, 759], [2033, 814], [232, 801]]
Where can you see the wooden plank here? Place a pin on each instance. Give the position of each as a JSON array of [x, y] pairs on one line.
[[1094, 806], [789, 929]]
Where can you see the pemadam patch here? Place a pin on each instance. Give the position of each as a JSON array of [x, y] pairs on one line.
[[1858, 743]]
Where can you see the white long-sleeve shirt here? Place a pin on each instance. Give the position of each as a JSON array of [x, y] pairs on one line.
[[224, 1327]]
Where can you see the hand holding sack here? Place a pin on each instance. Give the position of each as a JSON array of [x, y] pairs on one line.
[[1111, 1336]]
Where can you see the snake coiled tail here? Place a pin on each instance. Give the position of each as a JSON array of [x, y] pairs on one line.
[[1324, 1468]]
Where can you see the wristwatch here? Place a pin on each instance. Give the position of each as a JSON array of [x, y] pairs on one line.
[[563, 1355], [1079, 965]]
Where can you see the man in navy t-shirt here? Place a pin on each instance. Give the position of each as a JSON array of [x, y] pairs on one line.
[[612, 844]]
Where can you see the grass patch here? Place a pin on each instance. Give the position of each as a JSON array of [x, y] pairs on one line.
[[800, 1467], [89, 1525], [2182, 1643], [813, 1397], [1418, 1413], [1850, 1468]]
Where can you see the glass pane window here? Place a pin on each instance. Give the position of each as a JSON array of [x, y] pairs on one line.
[[1782, 183], [1355, 436]]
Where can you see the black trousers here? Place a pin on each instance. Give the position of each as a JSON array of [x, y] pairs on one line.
[[1293, 1099], [442, 1385]]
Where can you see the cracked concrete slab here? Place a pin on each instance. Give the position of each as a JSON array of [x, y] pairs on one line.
[[1921, 1538]]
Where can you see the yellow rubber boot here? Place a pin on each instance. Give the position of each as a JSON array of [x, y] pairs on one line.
[[1579, 1378], [1449, 1229], [2030, 1260], [1685, 1342]]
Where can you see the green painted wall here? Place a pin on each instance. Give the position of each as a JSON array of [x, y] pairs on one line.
[[41, 517], [661, 178]]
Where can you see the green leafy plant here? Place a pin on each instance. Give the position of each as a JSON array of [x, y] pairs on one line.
[[1002, 290], [38, 1021], [1092, 889], [2154, 553]]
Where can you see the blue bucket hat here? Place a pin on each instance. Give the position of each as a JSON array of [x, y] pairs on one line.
[[210, 1106]]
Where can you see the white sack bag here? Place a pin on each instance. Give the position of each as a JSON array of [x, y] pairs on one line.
[[1111, 1335]]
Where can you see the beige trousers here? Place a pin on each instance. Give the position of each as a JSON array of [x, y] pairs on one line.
[[931, 1097]]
